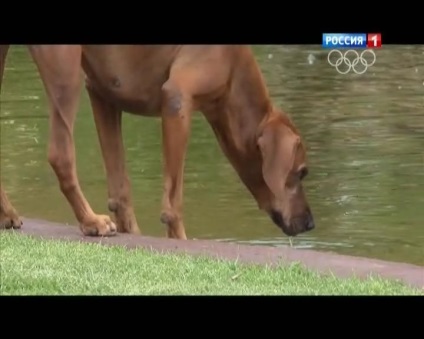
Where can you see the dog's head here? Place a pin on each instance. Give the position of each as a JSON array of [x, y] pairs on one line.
[[283, 162]]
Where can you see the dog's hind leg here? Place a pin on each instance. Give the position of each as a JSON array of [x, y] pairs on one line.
[[60, 70], [8, 216], [108, 122]]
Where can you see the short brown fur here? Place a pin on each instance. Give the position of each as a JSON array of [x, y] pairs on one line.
[[171, 82]]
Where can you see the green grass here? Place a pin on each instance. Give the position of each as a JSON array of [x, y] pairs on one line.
[[30, 266]]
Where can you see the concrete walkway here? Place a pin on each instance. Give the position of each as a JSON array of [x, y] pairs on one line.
[[339, 265]]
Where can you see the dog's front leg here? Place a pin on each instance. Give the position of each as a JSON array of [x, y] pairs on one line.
[[176, 121]]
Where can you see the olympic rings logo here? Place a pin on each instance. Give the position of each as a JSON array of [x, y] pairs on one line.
[[351, 60]]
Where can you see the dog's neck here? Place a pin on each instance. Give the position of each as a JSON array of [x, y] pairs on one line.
[[249, 105], [243, 111]]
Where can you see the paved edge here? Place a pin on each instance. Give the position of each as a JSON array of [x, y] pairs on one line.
[[322, 262]]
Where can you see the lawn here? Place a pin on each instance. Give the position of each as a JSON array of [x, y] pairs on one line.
[[31, 266]]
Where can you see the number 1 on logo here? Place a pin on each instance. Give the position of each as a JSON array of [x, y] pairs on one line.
[[374, 40]]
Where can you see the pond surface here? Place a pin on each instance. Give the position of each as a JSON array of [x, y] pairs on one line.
[[364, 133]]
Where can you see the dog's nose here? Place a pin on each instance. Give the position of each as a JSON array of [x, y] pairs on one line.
[[310, 225]]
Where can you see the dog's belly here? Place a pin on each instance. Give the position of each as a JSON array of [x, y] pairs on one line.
[[131, 78]]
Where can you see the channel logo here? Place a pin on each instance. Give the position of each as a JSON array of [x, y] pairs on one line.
[[351, 40]]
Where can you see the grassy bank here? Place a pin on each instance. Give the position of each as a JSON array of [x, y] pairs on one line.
[[32, 266]]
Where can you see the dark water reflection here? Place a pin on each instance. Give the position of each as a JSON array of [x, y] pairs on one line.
[[365, 138]]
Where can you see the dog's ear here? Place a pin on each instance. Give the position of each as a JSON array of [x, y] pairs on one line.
[[278, 145]]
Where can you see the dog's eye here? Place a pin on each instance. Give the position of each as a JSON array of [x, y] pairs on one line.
[[303, 173]]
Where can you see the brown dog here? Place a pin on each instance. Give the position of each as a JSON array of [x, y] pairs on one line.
[[171, 82]]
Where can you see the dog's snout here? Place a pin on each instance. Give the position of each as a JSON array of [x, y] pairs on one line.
[[277, 218], [310, 224], [296, 225]]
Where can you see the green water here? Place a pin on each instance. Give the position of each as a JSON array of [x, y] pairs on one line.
[[365, 139]]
